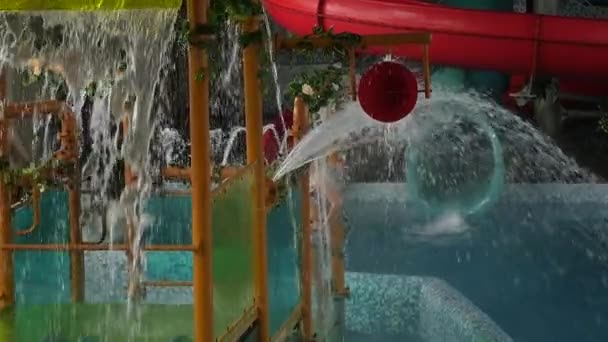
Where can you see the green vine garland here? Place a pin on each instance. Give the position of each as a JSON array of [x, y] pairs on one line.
[[341, 41], [603, 124], [35, 172], [319, 88], [222, 11], [238, 10], [339, 49]]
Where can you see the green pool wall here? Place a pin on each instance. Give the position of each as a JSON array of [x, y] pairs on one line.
[[43, 299]]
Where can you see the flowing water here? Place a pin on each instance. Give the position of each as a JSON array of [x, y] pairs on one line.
[[455, 152], [275, 77], [528, 155], [122, 52], [226, 93], [457, 148]]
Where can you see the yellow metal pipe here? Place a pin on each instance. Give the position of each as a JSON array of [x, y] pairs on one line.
[[255, 155], [76, 257], [35, 209], [167, 283], [202, 271], [337, 250], [130, 176], [427, 71], [7, 289], [19, 110], [135, 290], [352, 72], [238, 329], [292, 43], [290, 323], [91, 247], [3, 87], [85, 5], [176, 173], [7, 281], [301, 125], [337, 231], [3, 122]]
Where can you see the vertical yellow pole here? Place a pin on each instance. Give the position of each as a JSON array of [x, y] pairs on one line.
[[135, 290], [352, 72], [76, 257], [69, 153], [427, 71], [253, 119], [7, 281], [337, 233], [202, 272], [3, 87], [301, 125]]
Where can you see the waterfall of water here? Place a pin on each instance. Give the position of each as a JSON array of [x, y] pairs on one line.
[[122, 53]]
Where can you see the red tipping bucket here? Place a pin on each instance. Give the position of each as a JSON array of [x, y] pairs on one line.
[[388, 92]]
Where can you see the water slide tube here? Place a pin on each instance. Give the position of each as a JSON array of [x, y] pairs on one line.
[[512, 43]]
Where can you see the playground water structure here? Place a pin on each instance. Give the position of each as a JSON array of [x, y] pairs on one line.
[[161, 287], [108, 47]]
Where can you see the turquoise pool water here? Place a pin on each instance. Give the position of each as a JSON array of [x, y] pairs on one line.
[[532, 268], [43, 277], [535, 263]]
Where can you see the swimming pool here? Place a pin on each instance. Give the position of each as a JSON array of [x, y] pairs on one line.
[[535, 263], [531, 268]]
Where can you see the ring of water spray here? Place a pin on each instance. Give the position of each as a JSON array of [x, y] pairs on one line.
[[463, 206]]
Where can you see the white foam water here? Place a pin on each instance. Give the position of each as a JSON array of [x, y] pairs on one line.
[[528, 154], [122, 52]]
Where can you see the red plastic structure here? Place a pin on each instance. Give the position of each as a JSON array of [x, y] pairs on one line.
[[513, 43], [388, 92], [272, 138]]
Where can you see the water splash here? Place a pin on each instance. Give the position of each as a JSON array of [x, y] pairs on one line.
[[275, 77], [121, 52], [528, 155], [226, 92], [229, 145], [456, 158], [341, 131]]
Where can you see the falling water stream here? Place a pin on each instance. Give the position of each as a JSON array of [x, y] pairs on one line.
[[123, 53], [451, 163], [528, 153]]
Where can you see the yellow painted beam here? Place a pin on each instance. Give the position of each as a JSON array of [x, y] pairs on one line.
[[202, 264], [255, 156], [85, 5]]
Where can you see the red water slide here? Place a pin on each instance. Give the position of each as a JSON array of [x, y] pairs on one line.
[[513, 43]]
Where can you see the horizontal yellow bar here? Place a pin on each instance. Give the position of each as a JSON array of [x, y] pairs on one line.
[[366, 41], [85, 5]]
